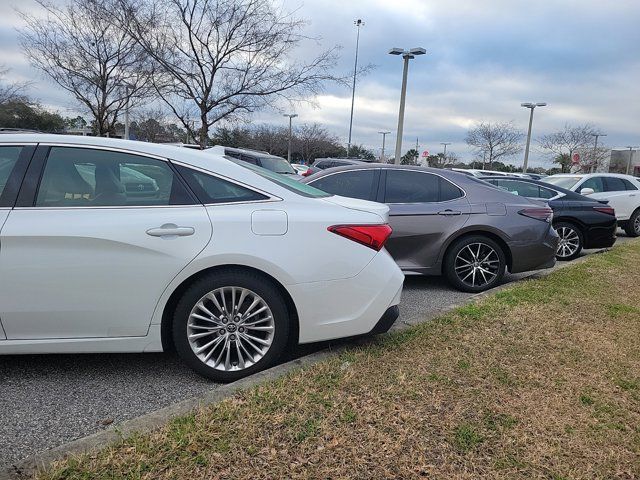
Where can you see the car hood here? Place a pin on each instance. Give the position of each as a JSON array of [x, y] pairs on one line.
[[379, 209]]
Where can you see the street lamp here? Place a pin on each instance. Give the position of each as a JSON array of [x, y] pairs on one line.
[[531, 106], [127, 88], [384, 135], [595, 148], [406, 55], [358, 23], [631, 149], [291, 116]]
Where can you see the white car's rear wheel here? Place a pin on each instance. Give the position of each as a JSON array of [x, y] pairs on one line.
[[231, 324]]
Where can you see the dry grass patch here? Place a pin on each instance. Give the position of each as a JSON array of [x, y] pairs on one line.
[[538, 381]]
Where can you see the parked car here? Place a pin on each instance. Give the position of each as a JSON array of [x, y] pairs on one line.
[[475, 172], [449, 223], [324, 163], [260, 159], [581, 222], [211, 265], [621, 191]]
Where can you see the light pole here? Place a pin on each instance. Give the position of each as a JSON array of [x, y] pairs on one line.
[[126, 108], [358, 23], [531, 106], [595, 148], [406, 55], [444, 160], [631, 148], [384, 135], [291, 117]]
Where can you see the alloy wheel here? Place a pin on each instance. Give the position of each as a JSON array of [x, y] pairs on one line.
[[230, 328], [636, 224], [569, 242], [477, 264]]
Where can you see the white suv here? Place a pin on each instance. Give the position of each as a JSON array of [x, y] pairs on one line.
[[621, 191]]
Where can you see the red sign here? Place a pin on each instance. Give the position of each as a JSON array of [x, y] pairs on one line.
[[425, 154], [575, 158]]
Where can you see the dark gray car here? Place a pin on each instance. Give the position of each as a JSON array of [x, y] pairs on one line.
[[448, 223]]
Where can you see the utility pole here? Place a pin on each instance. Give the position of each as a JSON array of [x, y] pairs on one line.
[[384, 135], [358, 23], [291, 117], [444, 160], [630, 157], [531, 106], [595, 150], [406, 55]]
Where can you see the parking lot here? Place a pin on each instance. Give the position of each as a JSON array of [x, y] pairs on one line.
[[49, 400]]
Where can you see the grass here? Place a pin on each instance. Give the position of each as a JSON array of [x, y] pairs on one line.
[[541, 380]]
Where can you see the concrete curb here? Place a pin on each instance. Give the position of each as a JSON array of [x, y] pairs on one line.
[[154, 420]]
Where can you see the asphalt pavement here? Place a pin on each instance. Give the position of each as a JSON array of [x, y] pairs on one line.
[[49, 400]]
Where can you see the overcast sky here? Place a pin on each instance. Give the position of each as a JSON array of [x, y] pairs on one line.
[[484, 57]]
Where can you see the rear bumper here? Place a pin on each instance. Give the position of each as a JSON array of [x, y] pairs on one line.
[[536, 254], [600, 237], [385, 322], [348, 307]]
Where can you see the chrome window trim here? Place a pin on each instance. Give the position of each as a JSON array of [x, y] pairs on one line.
[[16, 144]]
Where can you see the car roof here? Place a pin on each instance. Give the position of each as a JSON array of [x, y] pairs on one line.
[[458, 176], [597, 174], [212, 160], [248, 151]]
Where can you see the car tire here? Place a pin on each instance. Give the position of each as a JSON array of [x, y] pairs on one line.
[[221, 334], [571, 241], [632, 227], [460, 267]]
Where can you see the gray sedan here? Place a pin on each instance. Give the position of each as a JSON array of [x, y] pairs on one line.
[[448, 223]]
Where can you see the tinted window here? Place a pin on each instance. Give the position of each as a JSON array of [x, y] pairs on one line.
[[248, 159], [211, 189], [276, 164], [629, 185], [354, 184], [523, 189], [614, 184], [410, 186], [8, 158], [595, 183], [80, 177], [547, 193], [321, 165], [284, 181]]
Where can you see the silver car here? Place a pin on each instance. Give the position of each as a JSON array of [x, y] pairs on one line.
[[449, 223]]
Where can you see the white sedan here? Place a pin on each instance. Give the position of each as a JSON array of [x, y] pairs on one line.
[[119, 246], [621, 191]]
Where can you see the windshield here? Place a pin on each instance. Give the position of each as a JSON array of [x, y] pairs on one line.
[[278, 165], [286, 182], [564, 182]]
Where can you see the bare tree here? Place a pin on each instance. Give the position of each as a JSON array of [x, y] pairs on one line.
[[152, 125], [10, 91], [81, 50], [223, 59], [564, 143], [313, 141], [495, 140]]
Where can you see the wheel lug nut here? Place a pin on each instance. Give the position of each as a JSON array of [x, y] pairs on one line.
[[241, 329], [232, 337], [222, 331]]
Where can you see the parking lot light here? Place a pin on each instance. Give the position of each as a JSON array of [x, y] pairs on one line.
[[406, 55], [531, 106]]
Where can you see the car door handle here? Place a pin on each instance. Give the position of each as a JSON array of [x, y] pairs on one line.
[[449, 212], [171, 230]]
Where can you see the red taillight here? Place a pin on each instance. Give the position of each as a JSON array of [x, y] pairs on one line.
[[544, 214], [307, 173], [607, 210], [373, 236]]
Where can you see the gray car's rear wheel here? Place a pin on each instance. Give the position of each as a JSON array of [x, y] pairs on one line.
[[475, 264], [571, 241], [231, 324]]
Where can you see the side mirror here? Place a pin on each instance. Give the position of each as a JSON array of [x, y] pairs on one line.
[[587, 191]]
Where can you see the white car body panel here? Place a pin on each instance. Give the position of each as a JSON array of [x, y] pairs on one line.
[[89, 279]]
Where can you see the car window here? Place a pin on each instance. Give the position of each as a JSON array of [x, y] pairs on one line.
[[628, 185], [523, 189], [287, 182], [276, 164], [411, 186], [85, 177], [248, 159], [211, 189], [354, 184], [547, 192], [595, 183], [614, 184], [8, 159], [564, 182]]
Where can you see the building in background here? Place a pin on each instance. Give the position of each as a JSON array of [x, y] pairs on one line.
[[620, 160]]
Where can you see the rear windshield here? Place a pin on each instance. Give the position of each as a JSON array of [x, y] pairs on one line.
[[278, 165], [564, 182], [287, 182]]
